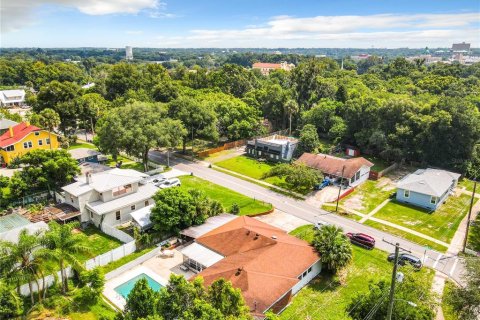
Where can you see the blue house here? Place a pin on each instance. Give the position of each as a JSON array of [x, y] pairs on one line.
[[427, 188]]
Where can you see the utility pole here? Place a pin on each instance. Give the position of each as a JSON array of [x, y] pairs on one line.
[[469, 216], [394, 279], [340, 188]]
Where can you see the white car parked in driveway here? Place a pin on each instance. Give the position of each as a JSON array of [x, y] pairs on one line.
[[170, 183]]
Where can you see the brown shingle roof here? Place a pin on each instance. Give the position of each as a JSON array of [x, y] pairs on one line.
[[333, 165], [261, 260]]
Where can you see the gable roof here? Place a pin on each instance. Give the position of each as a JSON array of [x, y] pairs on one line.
[[256, 261], [20, 131], [333, 165], [7, 123], [433, 182]]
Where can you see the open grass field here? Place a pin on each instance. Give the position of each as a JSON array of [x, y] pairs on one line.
[[327, 296], [440, 224], [254, 169], [367, 196], [98, 242], [468, 185], [225, 196], [448, 313]]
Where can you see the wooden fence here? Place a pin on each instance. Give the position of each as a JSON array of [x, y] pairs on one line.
[[374, 175]]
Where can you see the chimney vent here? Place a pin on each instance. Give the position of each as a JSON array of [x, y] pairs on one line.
[[274, 237], [10, 129], [88, 177]]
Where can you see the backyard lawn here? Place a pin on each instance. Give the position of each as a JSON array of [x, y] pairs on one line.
[[254, 169], [98, 242], [78, 145], [225, 196], [378, 163], [367, 196], [440, 224], [327, 296]]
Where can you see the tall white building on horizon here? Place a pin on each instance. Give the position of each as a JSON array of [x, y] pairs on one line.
[[128, 53]]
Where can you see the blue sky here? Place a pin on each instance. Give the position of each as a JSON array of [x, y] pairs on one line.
[[235, 23]]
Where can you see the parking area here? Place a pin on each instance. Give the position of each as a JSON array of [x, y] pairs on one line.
[[282, 220]]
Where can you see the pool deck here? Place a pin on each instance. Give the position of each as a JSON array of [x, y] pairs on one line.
[[158, 268]]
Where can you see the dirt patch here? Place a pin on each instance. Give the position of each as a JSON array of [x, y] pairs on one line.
[[355, 202]]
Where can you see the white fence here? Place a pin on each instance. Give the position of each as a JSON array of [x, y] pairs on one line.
[[110, 256], [127, 248], [117, 234]]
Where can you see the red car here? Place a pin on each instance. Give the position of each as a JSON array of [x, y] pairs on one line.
[[362, 240]]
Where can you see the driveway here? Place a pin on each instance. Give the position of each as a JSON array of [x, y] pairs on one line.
[[327, 194], [282, 220]]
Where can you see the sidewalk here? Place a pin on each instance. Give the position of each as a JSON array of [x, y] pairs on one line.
[[390, 224], [371, 213]]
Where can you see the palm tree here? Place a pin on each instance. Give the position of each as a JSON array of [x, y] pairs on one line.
[[49, 119], [333, 246], [19, 262], [291, 107], [62, 246]]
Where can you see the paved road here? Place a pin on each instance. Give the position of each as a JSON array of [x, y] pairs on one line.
[[451, 266]]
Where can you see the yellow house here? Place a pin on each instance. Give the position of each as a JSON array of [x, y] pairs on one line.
[[22, 138]]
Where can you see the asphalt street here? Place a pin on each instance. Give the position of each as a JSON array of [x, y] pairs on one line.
[[452, 266]]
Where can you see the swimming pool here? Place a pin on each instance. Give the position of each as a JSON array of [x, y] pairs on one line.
[[125, 288]]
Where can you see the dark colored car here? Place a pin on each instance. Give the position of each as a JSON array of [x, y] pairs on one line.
[[404, 258], [362, 240]]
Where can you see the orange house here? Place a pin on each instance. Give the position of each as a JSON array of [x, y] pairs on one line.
[[22, 138]]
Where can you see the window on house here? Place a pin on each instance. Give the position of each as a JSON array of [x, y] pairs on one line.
[[357, 175], [304, 274], [277, 157], [47, 141], [132, 208], [433, 200], [117, 215], [122, 190], [309, 269], [146, 203], [91, 214], [271, 156], [71, 199], [27, 144], [37, 133], [300, 277], [40, 142], [259, 153], [406, 193], [10, 148]]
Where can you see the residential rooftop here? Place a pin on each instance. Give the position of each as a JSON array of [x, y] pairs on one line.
[[434, 182], [334, 165]]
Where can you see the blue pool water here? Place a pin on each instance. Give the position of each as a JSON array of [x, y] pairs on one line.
[[125, 288]]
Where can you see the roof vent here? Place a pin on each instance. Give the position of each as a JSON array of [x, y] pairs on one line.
[[248, 232], [274, 237], [256, 236], [239, 271]]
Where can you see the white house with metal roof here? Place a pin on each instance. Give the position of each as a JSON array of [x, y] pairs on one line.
[[10, 98], [111, 196], [427, 188]]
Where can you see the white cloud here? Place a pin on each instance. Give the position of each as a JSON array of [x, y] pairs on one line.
[[381, 30], [16, 14]]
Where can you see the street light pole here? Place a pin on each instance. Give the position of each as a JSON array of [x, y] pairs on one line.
[[340, 189], [469, 216]]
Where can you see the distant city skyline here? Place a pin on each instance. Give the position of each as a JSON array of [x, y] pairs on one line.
[[239, 23]]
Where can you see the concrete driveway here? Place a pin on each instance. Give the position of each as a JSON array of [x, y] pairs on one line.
[[327, 194], [282, 220]]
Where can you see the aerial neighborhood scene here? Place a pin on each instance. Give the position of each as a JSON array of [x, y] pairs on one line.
[[278, 160]]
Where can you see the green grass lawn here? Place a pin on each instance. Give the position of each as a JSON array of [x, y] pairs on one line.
[[448, 313], [225, 196], [120, 262], [254, 169], [327, 296], [378, 163], [78, 145], [474, 235], [440, 224], [468, 185], [406, 235], [368, 195], [341, 212], [99, 311], [98, 242]]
